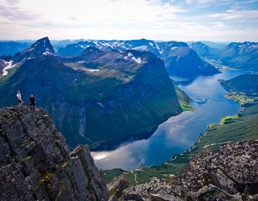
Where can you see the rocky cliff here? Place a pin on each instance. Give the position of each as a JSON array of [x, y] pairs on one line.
[[229, 174], [36, 164]]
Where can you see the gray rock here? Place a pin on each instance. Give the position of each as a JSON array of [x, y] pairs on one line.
[[36, 163]]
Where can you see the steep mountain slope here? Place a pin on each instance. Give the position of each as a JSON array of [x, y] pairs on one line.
[[243, 56], [36, 163], [98, 96], [247, 84], [181, 60]]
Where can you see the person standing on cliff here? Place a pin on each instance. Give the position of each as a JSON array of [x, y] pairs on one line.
[[32, 101], [19, 98]]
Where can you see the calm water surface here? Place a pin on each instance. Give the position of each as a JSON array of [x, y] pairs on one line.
[[177, 133]]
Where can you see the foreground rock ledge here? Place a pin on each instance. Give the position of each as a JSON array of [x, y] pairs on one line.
[[36, 164]]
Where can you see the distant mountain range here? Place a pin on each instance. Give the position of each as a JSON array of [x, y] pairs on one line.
[[179, 58], [12, 47], [241, 56], [98, 96]]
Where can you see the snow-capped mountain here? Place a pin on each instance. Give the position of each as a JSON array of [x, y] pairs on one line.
[[141, 45], [41, 47], [242, 56]]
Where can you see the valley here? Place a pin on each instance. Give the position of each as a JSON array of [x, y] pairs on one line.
[[131, 98], [98, 96], [243, 126]]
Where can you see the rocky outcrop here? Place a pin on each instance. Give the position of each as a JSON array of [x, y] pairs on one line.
[[117, 186], [36, 164], [229, 174]]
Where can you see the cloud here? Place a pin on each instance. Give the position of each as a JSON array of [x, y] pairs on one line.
[[123, 19], [205, 1], [13, 12], [189, 1], [232, 14], [219, 25]]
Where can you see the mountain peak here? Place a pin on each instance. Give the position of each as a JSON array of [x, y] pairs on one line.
[[41, 47]]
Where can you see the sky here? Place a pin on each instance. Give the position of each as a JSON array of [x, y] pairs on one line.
[[159, 20]]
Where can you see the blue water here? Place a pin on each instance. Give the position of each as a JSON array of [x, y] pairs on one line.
[[178, 133]]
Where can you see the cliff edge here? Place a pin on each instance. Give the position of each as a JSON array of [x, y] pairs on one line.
[[36, 164]]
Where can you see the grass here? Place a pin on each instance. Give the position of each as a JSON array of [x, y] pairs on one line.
[[228, 119]]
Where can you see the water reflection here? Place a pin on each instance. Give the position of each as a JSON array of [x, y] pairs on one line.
[[177, 133]]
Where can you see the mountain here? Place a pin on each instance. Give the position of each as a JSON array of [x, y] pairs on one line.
[[203, 50], [216, 45], [74, 49], [37, 49], [242, 56], [247, 83], [12, 47], [98, 97], [79, 47], [36, 163], [181, 60]]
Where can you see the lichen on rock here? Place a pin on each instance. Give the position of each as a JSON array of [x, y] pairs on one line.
[[36, 163]]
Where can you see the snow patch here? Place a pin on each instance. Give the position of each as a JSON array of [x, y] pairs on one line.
[[46, 53], [9, 66], [142, 48], [174, 48], [92, 70], [151, 44], [138, 60]]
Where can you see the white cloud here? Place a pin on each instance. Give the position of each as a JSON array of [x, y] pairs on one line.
[[119, 19], [205, 1], [232, 14], [189, 1], [219, 25]]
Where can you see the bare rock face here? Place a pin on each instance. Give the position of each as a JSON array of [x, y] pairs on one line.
[[229, 174], [36, 164]]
